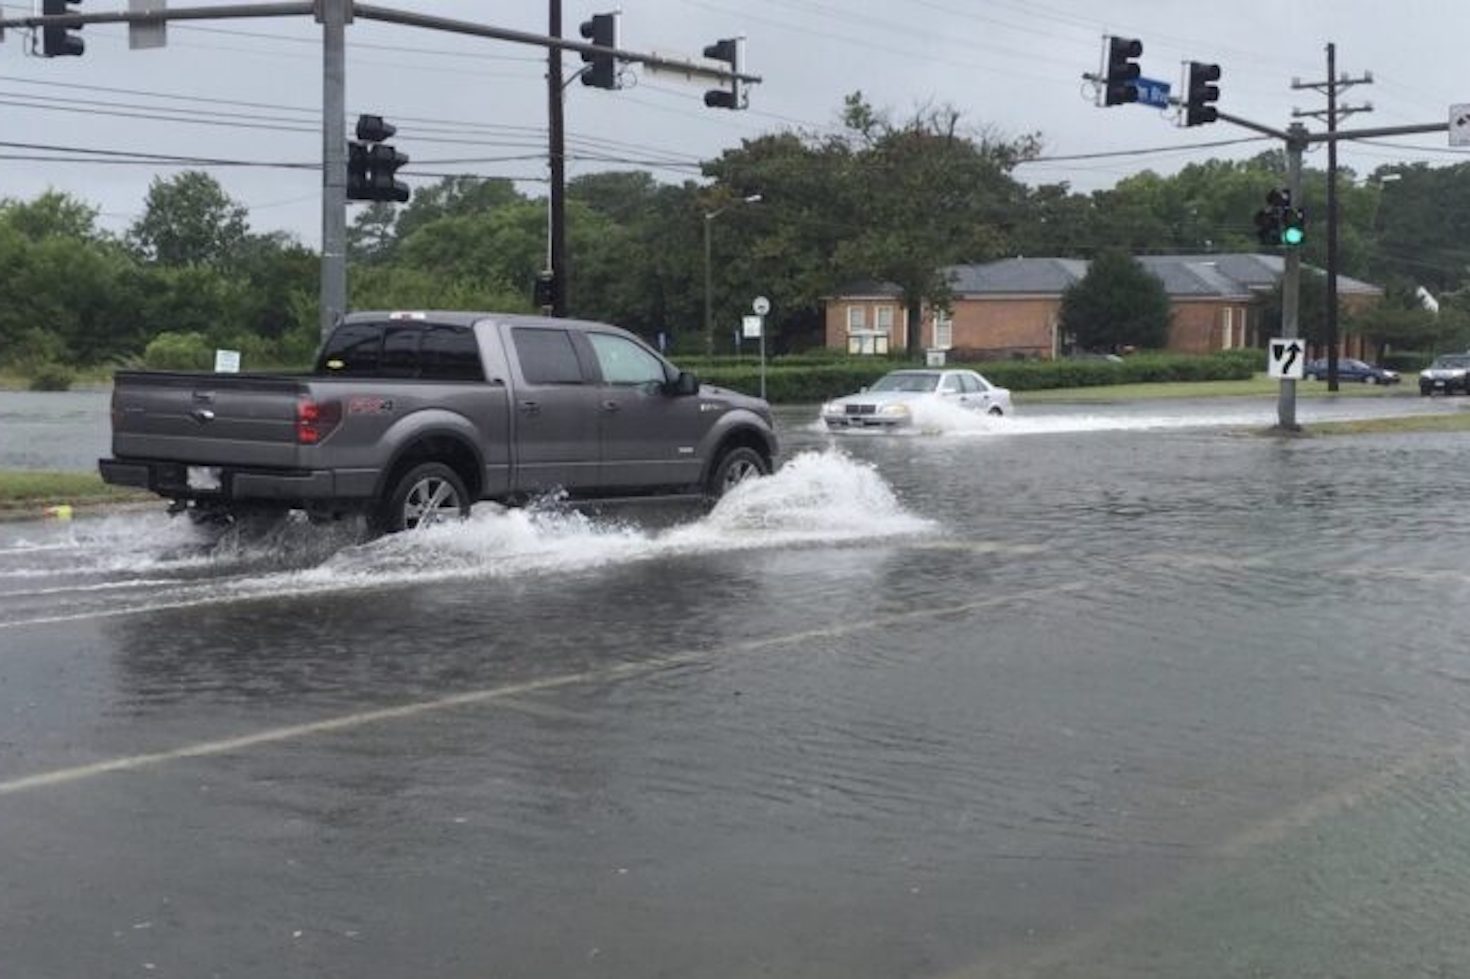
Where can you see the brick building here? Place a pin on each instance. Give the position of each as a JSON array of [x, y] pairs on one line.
[[1011, 308]]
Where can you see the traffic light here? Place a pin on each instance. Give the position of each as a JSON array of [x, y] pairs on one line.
[[602, 69], [1200, 92], [59, 41], [372, 165], [544, 294], [1279, 223], [730, 50], [1293, 227], [1118, 87]]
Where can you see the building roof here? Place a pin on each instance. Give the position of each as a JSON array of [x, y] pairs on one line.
[[1233, 276]]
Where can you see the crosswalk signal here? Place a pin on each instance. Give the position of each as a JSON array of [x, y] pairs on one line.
[[372, 165], [59, 42], [602, 68], [1123, 71], [730, 50], [1200, 92]]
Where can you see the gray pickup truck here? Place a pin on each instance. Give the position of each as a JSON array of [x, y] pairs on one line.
[[410, 417]]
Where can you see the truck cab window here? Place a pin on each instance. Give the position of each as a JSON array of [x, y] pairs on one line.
[[624, 362], [547, 356], [352, 349]]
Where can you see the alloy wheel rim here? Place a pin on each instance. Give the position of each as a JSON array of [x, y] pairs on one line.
[[431, 500]]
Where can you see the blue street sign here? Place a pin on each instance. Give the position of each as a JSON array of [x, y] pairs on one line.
[[1152, 93]]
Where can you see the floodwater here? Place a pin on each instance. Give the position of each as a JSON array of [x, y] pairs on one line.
[[1090, 691]]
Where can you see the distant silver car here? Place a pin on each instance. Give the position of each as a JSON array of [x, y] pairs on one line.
[[898, 396]]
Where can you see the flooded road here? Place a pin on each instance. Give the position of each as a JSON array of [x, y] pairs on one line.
[[1094, 691]]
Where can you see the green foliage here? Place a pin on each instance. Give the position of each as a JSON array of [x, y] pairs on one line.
[[179, 352], [401, 287], [1117, 304], [188, 219], [1405, 360], [50, 376]]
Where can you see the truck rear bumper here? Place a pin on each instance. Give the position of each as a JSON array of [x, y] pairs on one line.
[[178, 480]]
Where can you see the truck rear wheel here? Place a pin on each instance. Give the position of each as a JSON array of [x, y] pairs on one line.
[[429, 493]]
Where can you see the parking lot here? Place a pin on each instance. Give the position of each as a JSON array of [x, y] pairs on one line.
[[1101, 691]]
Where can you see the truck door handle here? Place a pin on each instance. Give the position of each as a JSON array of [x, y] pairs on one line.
[[611, 406], [530, 407]]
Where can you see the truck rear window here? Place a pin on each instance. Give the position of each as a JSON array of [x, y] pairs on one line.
[[428, 351]]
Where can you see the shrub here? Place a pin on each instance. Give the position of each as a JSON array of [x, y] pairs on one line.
[[179, 352], [1405, 360], [51, 376], [790, 383]]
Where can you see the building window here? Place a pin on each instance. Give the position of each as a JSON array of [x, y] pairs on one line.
[[943, 330], [856, 318], [883, 317], [868, 344], [1229, 315]]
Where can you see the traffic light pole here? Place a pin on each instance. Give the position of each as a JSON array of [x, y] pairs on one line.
[[557, 151], [333, 16], [1291, 279]]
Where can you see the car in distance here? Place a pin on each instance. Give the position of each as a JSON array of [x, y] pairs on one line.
[[897, 396], [1351, 370], [1449, 373]]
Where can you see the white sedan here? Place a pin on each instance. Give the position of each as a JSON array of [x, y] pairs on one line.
[[898, 396]]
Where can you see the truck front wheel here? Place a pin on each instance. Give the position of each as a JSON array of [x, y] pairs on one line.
[[427, 494], [735, 467]]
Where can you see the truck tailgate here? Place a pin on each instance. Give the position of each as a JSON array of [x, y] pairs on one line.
[[230, 419]]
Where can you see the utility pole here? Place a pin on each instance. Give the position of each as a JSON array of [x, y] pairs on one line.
[[557, 151], [333, 301], [1331, 116]]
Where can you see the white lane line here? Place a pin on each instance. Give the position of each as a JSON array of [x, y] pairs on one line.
[[63, 776]]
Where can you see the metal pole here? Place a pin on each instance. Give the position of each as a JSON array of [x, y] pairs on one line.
[[709, 317], [1291, 280], [1331, 217], [333, 17], [558, 169], [763, 358]]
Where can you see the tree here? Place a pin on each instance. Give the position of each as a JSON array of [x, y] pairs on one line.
[[189, 220], [1117, 304], [52, 213], [1311, 317], [930, 196]]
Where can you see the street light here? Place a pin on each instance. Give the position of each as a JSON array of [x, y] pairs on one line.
[[709, 316]]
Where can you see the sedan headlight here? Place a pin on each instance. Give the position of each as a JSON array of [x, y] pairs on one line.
[[1425, 375], [896, 409]]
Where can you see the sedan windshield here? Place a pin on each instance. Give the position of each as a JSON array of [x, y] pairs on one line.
[[1458, 363], [906, 381]]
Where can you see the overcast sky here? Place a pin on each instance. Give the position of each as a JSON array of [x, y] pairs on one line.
[[1014, 65]]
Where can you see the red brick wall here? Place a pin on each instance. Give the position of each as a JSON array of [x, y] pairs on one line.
[[1004, 325]]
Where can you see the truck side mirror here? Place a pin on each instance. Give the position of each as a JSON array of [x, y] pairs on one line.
[[684, 385]]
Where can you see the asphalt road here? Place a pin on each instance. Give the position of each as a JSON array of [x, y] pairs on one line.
[[1070, 695]]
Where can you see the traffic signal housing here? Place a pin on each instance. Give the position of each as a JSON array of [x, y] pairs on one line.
[[59, 42], [1279, 223], [1200, 92], [602, 69], [730, 50], [1293, 227], [1122, 71], [372, 165]]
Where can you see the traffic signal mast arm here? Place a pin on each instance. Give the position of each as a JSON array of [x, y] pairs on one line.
[[386, 15]]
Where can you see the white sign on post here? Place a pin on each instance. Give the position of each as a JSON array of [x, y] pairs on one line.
[[1285, 358], [1460, 124], [751, 326], [227, 361], [762, 305]]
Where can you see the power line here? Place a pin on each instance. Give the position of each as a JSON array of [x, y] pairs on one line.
[[1183, 147]]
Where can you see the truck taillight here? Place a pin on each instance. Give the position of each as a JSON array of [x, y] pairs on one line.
[[316, 419]]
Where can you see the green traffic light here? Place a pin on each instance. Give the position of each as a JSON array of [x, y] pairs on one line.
[[1292, 236]]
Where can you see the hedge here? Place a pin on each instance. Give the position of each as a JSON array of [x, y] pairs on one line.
[[787, 383]]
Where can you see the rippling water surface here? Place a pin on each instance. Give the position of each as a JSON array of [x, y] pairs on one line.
[[1082, 692]]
